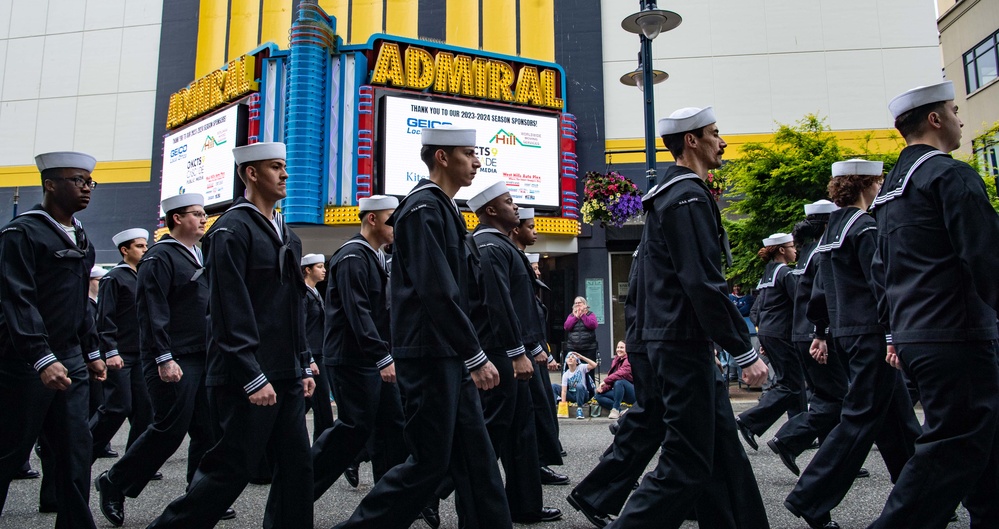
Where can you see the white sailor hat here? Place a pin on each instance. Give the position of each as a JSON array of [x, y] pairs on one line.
[[256, 152], [919, 96], [448, 137], [856, 166], [377, 203], [97, 272], [129, 234], [55, 160], [819, 207], [483, 197], [533, 257], [778, 239], [525, 213], [684, 119], [182, 201], [310, 259]]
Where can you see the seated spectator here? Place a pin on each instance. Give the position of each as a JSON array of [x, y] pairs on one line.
[[573, 387], [618, 386]]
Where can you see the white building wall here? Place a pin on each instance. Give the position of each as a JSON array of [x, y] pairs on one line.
[[763, 62], [77, 74]]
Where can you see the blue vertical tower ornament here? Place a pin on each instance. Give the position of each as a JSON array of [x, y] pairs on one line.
[[312, 44]]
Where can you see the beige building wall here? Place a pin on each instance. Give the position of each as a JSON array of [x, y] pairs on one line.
[[78, 75], [963, 25]]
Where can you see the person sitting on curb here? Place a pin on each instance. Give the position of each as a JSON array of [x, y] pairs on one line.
[[573, 384], [618, 386]]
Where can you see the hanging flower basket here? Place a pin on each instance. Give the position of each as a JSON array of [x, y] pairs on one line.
[[610, 199]]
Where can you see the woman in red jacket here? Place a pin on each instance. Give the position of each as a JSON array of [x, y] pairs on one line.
[[618, 386]]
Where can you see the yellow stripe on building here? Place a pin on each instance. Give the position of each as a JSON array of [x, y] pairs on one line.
[[347, 216], [537, 29], [499, 26], [878, 141], [462, 23], [212, 19], [366, 19], [402, 18], [244, 23], [276, 23], [105, 173], [338, 9]]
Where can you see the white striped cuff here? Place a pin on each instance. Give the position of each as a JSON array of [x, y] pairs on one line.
[[476, 361], [255, 384], [516, 351], [45, 361], [93, 355], [537, 350], [308, 372], [746, 359], [109, 354], [164, 358], [384, 362], [551, 359], [888, 338]]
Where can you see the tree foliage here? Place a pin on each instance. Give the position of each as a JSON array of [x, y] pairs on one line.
[[982, 143], [771, 183]]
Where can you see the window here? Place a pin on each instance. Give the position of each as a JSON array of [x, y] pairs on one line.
[[986, 150], [981, 63]]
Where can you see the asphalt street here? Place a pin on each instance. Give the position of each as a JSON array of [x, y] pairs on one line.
[[584, 440]]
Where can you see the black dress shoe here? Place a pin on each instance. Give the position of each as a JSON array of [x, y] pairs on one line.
[[112, 501], [230, 514], [550, 477], [546, 514], [814, 445], [106, 453], [563, 453], [863, 473], [432, 516], [747, 434], [27, 474], [784, 454], [825, 522], [38, 449], [158, 476], [351, 475], [595, 517]]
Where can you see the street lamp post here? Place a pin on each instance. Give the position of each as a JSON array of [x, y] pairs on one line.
[[648, 24]]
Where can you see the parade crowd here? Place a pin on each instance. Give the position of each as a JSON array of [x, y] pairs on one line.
[[437, 355]]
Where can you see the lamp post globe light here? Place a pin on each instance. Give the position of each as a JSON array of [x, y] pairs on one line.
[[648, 24]]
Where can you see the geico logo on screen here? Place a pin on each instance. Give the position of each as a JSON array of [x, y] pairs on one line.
[[179, 153], [423, 124]]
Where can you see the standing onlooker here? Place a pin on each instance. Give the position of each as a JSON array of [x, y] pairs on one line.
[[937, 238], [49, 344], [581, 329], [618, 386]]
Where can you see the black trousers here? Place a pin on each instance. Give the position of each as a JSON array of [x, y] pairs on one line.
[[788, 391], [829, 384], [179, 408], [509, 414], [545, 417], [446, 435], [702, 462], [319, 403], [366, 405], [639, 435], [248, 432], [125, 397], [876, 409], [957, 456], [29, 411]]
